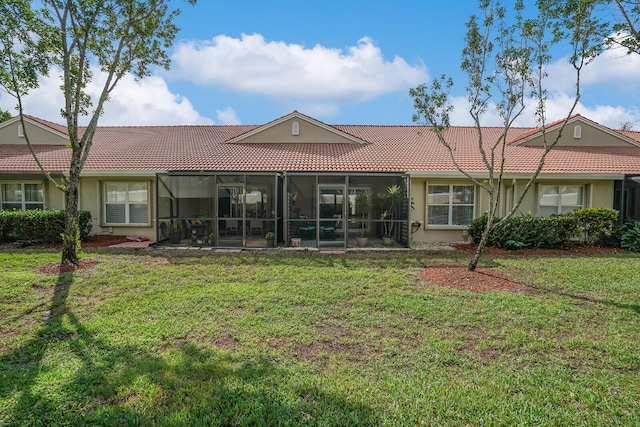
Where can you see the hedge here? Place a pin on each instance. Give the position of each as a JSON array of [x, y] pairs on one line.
[[594, 224], [526, 231], [590, 226], [39, 225]]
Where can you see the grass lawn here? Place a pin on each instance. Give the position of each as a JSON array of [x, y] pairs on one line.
[[308, 339]]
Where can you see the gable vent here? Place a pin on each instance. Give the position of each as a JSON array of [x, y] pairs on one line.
[[20, 131], [577, 132], [295, 128]]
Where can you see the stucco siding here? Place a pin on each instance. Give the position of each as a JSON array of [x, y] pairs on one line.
[[92, 199], [36, 134], [308, 132]]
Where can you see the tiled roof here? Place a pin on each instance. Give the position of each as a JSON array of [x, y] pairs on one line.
[[54, 126], [389, 149]]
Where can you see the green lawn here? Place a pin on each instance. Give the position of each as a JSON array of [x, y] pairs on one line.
[[308, 339]]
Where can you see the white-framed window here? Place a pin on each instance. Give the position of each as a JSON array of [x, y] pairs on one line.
[[126, 203], [560, 199], [450, 204], [21, 195]]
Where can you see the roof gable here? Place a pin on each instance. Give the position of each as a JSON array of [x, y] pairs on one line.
[[579, 132], [296, 128], [40, 132]]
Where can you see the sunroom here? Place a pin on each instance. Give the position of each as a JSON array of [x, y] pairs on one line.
[[306, 210]]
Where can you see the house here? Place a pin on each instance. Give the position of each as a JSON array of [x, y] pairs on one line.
[[227, 186]]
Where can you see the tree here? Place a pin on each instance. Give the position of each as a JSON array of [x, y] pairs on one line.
[[504, 58], [627, 29], [4, 115], [119, 37]]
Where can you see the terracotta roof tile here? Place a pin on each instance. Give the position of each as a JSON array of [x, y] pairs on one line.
[[389, 149]]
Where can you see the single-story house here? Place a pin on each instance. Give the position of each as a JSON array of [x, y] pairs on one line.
[[228, 186]]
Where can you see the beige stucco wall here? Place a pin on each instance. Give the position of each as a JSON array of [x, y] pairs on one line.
[[309, 132], [591, 136], [37, 135], [91, 196], [598, 194]]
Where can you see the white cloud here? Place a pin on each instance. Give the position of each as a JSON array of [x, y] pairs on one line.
[[227, 116], [145, 102], [557, 107], [292, 72], [612, 69]]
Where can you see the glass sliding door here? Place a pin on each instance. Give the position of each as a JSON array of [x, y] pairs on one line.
[[231, 215], [332, 203]]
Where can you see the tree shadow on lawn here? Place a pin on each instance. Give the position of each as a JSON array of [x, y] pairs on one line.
[[595, 300], [67, 374]]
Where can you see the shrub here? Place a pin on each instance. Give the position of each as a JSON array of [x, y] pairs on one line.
[[631, 238], [526, 231], [45, 225], [594, 224], [614, 238]]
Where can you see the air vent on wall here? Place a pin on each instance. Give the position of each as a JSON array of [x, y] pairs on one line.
[[295, 128]]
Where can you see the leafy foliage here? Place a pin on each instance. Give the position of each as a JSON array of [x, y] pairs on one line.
[[631, 238], [594, 224], [626, 31], [526, 231], [4, 115], [388, 201], [46, 225]]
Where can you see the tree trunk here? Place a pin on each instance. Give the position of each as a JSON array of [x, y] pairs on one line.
[[483, 243], [71, 232]]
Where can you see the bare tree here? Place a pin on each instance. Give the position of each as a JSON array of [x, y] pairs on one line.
[[118, 36], [504, 58]]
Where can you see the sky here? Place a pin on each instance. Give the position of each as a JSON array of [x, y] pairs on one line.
[[341, 62]]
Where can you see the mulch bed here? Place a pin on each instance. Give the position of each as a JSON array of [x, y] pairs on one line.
[[480, 280], [97, 241]]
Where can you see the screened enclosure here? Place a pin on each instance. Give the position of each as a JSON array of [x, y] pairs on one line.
[[298, 209]]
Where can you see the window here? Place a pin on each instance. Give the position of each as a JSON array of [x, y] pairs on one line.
[[450, 204], [577, 132], [560, 199], [21, 196], [126, 203]]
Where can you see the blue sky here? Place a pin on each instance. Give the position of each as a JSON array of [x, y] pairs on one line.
[[342, 62]]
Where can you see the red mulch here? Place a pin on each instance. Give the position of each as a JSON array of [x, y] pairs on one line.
[[97, 241], [480, 280]]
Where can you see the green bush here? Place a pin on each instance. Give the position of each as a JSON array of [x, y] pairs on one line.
[[45, 225], [526, 231], [594, 224], [631, 238]]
